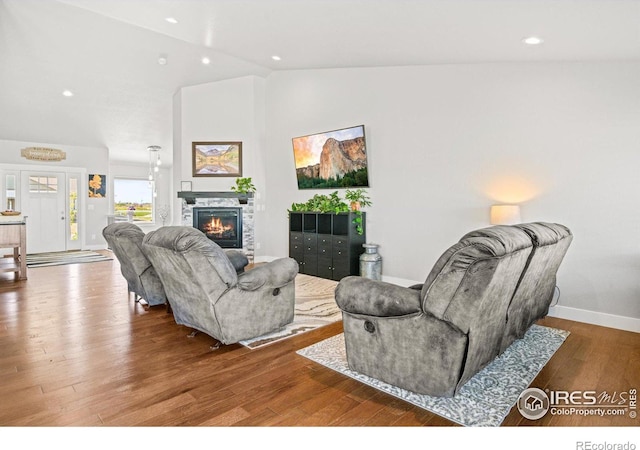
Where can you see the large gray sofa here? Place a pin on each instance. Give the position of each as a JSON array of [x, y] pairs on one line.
[[482, 294], [207, 293]]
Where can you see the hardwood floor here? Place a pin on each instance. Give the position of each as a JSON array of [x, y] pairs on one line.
[[75, 350]]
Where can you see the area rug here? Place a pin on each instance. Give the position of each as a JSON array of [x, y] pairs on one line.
[[486, 399], [60, 258], [315, 307]]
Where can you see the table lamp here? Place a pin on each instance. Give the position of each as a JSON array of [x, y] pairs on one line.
[[505, 214]]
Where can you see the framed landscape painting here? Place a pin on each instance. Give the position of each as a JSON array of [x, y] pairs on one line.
[[217, 159], [333, 159]]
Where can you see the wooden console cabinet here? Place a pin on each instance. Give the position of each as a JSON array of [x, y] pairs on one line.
[[326, 245], [14, 235]]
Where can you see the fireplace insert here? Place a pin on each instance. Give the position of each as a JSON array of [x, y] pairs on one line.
[[223, 225]]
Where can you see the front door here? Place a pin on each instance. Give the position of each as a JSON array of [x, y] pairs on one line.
[[44, 204]]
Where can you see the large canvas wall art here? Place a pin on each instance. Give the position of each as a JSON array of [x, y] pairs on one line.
[[333, 159], [217, 159]]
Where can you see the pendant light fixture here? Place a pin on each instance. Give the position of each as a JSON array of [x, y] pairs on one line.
[[154, 165]]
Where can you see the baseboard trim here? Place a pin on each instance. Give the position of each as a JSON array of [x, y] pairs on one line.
[[565, 312], [263, 259], [561, 312], [95, 247], [596, 318], [400, 281]]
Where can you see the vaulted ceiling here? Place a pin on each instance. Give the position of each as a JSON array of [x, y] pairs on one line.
[[107, 52]]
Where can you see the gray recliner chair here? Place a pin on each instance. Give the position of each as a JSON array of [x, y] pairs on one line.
[[432, 339], [125, 241], [482, 294], [207, 293]]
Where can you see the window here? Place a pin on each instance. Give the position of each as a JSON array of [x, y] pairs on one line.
[[43, 185], [10, 189], [73, 208], [133, 199]]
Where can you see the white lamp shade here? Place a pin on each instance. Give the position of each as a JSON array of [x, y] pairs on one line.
[[505, 214]]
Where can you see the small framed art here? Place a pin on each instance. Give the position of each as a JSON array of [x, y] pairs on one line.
[[97, 185], [217, 159]]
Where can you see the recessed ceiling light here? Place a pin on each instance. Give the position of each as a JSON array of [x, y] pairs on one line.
[[67, 93], [205, 60], [276, 58], [171, 20], [533, 40], [162, 60]]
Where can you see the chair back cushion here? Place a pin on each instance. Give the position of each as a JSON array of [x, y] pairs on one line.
[[195, 271], [446, 293], [191, 242], [471, 286], [125, 241], [536, 287]]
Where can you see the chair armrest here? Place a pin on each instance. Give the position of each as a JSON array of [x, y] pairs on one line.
[[274, 274], [359, 295], [238, 260]]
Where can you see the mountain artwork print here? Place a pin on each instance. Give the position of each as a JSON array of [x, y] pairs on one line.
[[217, 159], [334, 159]]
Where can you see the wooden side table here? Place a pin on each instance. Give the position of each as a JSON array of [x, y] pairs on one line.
[[13, 233]]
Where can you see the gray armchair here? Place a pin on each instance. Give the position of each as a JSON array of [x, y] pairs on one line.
[[207, 293], [125, 241], [431, 340]]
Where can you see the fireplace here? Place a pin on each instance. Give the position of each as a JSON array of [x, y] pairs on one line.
[[223, 225]]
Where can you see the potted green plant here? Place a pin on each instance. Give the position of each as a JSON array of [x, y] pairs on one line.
[[331, 203], [358, 199], [244, 185]]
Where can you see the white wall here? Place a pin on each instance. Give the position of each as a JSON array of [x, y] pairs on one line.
[[230, 110], [445, 142], [176, 168], [94, 159]]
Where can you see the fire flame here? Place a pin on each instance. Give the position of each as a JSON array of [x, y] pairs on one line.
[[216, 227]]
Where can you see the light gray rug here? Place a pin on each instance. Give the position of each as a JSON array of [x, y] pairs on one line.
[[315, 307], [60, 258], [486, 399]]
